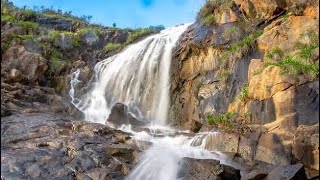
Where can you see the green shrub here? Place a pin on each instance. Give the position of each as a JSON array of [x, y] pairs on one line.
[[28, 24], [29, 13], [209, 20], [244, 93], [95, 31], [112, 47], [55, 54], [8, 18], [25, 37], [245, 42], [294, 66], [225, 118], [136, 34], [54, 36], [273, 52], [198, 85]]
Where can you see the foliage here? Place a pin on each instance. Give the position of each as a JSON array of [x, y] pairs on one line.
[[114, 25], [28, 24], [245, 42], [198, 85], [95, 31], [112, 46], [273, 52], [136, 34], [8, 18], [209, 20], [54, 36], [25, 37], [294, 66], [231, 32], [244, 93], [225, 118]]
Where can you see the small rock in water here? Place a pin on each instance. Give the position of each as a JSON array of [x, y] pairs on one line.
[[119, 115]]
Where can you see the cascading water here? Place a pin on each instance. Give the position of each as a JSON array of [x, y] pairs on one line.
[[139, 77]]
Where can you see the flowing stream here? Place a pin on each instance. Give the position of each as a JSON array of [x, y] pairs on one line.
[[139, 77]]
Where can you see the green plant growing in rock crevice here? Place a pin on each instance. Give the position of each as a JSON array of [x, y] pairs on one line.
[[198, 86], [244, 93], [293, 66], [222, 119], [245, 42], [273, 52], [209, 20]]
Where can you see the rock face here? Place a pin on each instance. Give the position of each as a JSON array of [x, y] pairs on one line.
[[193, 169], [213, 74], [32, 65]]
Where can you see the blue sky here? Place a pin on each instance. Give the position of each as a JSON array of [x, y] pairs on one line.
[[126, 13]]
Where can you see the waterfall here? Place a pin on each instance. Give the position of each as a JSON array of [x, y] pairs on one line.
[[138, 77]]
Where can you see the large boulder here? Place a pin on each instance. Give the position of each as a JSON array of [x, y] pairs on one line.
[[271, 150], [201, 169], [224, 142], [306, 146], [32, 65], [291, 172]]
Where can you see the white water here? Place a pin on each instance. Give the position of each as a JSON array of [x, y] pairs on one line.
[[139, 77]]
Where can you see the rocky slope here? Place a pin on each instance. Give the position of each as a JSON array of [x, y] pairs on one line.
[[252, 67]]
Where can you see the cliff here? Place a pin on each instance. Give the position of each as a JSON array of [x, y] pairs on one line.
[[252, 67]]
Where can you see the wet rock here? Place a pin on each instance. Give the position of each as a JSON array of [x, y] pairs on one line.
[[119, 115], [64, 41], [287, 172], [193, 169], [195, 126]]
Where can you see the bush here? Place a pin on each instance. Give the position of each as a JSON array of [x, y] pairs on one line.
[[25, 37], [95, 31], [28, 24], [54, 36], [273, 52], [244, 93], [245, 42], [112, 47], [225, 118], [294, 66], [209, 20], [8, 18], [136, 34]]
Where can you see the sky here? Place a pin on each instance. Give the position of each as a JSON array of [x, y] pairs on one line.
[[126, 13]]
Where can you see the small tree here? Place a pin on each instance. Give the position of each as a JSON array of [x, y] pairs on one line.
[[114, 25]]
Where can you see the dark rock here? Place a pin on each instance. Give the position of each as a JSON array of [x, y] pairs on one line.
[[56, 23], [291, 172], [196, 126], [119, 115], [193, 169]]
